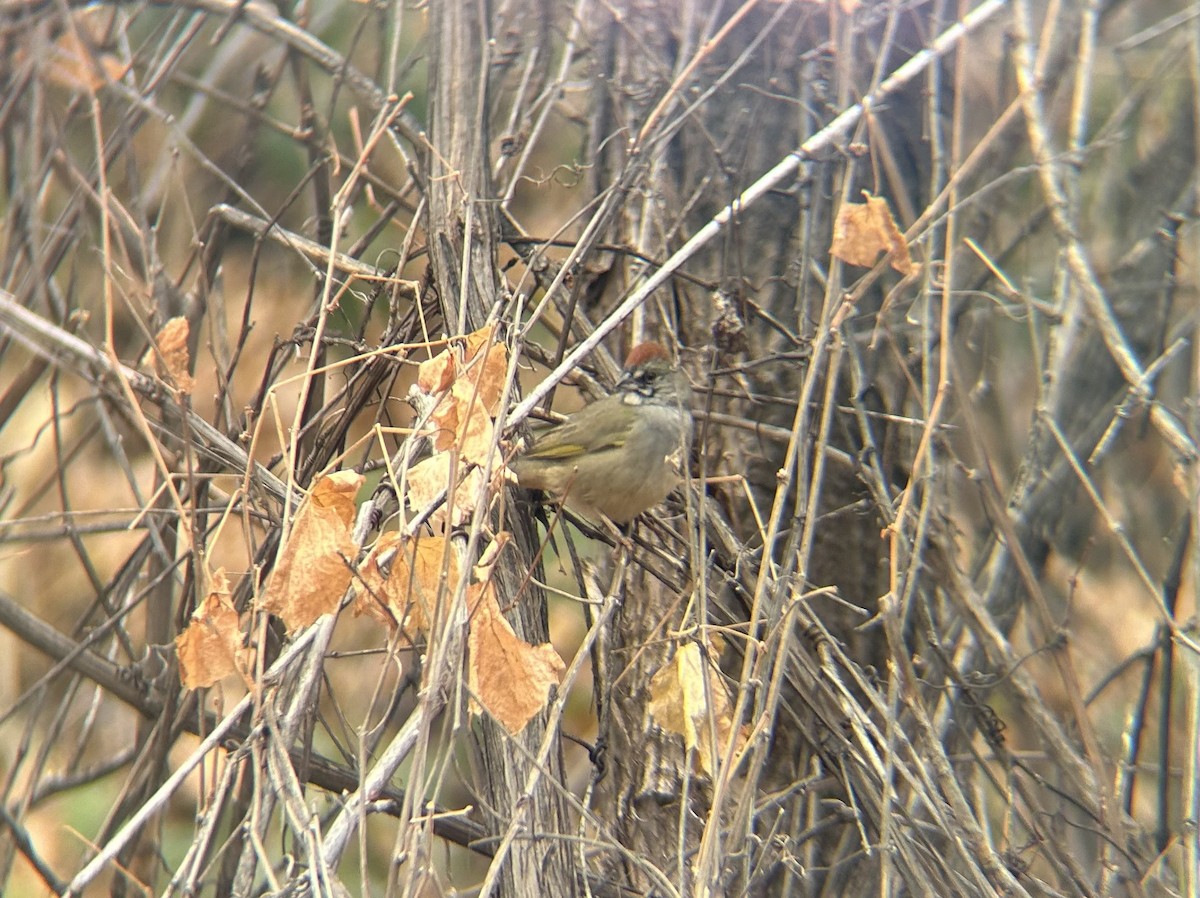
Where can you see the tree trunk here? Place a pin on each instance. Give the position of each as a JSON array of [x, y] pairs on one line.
[[463, 238]]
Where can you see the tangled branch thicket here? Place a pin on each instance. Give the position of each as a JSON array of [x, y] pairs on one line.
[[923, 607]]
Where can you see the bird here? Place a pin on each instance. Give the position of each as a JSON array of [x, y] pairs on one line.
[[621, 455]]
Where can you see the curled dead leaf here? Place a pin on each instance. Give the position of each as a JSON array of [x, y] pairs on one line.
[[169, 356], [471, 373], [477, 340], [463, 416], [507, 676], [491, 554], [430, 477], [312, 573], [72, 62], [468, 378], [401, 579], [864, 230], [210, 646], [437, 373], [685, 695]]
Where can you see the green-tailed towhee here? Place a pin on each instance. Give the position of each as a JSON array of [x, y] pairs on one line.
[[622, 454]]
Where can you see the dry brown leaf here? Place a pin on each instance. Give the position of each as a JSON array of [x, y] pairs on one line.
[[210, 647], [426, 480], [171, 360], [464, 422], [679, 702], [429, 477], [463, 416], [509, 677], [436, 374], [475, 433], [465, 497], [477, 340], [482, 571], [404, 598], [443, 422], [486, 377], [864, 230], [439, 372], [71, 64], [312, 574], [470, 373]]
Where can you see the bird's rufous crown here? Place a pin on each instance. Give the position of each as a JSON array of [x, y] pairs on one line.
[[645, 352]]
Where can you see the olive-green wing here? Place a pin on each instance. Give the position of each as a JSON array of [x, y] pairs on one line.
[[584, 432]]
